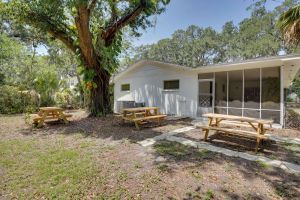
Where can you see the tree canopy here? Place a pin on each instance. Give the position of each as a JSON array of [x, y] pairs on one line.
[[91, 29], [256, 36]]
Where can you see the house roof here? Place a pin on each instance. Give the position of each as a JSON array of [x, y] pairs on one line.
[[291, 65]]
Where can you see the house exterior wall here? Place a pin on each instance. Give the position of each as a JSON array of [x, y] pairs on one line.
[[146, 85]]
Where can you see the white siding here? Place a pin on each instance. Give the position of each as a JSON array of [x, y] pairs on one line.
[[146, 85]]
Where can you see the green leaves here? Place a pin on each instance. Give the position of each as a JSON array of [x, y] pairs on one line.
[[289, 24], [256, 36]]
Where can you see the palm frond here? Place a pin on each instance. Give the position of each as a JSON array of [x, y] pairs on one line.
[[289, 24]]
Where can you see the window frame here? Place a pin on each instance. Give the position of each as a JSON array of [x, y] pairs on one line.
[[121, 87], [172, 89]]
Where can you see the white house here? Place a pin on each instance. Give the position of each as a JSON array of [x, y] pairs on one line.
[[253, 88], [72, 82]]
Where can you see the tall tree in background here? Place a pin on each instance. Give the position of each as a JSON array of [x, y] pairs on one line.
[[92, 29], [289, 24], [255, 36]]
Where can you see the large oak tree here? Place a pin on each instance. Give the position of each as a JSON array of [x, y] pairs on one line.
[[92, 29]]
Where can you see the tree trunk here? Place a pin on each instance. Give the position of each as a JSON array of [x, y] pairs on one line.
[[100, 99]]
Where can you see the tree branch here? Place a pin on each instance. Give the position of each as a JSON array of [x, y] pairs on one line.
[[57, 32], [113, 8], [92, 5], [112, 29], [82, 21], [64, 38]]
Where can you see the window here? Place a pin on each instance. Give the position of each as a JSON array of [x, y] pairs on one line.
[[72, 82], [125, 87], [171, 85]]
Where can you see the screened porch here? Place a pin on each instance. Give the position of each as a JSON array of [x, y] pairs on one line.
[[249, 92]]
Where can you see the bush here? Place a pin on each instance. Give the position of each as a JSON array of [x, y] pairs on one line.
[[14, 101], [67, 99]]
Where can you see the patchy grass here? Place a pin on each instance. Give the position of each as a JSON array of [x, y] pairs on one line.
[[98, 158], [122, 176], [209, 195], [138, 165], [179, 151], [173, 149], [284, 191], [263, 164], [295, 148], [51, 171], [197, 175], [164, 168]]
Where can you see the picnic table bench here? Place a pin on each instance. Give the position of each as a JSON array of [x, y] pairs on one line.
[[46, 113], [215, 120], [141, 114]]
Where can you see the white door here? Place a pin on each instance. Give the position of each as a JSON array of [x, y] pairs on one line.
[[205, 96]]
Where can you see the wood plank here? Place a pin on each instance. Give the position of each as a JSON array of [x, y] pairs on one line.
[[149, 117], [50, 109], [139, 109], [237, 118], [233, 131]]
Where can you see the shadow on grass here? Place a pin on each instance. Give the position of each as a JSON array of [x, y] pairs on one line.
[[284, 184], [110, 127], [271, 149]]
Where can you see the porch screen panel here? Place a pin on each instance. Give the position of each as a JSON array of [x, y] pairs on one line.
[[274, 115], [221, 110], [252, 89], [270, 91], [235, 89], [221, 89], [235, 111], [251, 113]]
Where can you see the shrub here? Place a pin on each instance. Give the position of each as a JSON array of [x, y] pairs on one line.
[[67, 98], [14, 101]]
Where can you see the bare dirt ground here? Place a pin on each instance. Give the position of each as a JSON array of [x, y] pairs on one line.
[[99, 158]]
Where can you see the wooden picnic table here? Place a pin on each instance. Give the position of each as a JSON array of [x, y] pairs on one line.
[[215, 120], [46, 113], [140, 114]]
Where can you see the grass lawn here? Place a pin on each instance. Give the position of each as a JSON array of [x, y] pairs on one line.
[[100, 159]]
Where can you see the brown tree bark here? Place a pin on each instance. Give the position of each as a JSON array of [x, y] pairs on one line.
[[100, 98], [100, 104]]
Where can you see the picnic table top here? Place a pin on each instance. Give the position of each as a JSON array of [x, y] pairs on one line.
[[238, 118], [51, 109], [139, 109]]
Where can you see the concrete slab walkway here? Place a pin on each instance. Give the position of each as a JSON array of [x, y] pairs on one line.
[[290, 167]]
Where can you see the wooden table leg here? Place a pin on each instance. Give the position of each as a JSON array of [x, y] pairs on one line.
[[137, 125], [206, 131], [260, 131], [124, 115], [218, 121], [61, 115], [148, 113], [42, 120], [257, 144]]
